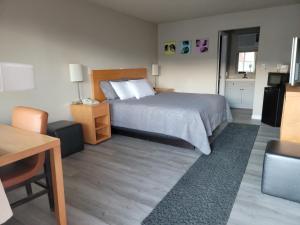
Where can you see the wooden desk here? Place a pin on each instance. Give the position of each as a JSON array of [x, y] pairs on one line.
[[17, 144], [290, 122]]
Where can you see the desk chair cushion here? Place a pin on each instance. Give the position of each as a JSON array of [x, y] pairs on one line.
[[19, 172]]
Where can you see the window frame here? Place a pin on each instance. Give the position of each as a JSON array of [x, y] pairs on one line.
[[237, 62]]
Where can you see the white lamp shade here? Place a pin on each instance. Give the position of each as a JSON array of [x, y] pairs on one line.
[[5, 212], [76, 74], [16, 77], [155, 70]]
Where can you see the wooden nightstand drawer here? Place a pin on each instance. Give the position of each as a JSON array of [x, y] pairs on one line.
[[100, 110]]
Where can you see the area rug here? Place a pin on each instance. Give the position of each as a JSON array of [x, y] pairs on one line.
[[206, 192]]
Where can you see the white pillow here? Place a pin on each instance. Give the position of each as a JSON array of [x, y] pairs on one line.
[[122, 89], [140, 88]]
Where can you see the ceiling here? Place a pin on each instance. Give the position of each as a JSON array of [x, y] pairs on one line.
[[159, 11]]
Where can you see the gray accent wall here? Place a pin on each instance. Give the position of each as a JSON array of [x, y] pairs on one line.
[[50, 34], [198, 72]]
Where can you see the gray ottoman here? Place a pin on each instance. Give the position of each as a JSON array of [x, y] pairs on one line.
[[281, 171]]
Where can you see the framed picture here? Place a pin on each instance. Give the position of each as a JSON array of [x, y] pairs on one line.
[[202, 45], [170, 47], [185, 47]]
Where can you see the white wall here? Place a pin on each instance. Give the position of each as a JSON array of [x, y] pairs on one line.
[[197, 73], [50, 34]]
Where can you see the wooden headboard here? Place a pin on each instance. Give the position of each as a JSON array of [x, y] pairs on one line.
[[116, 74]]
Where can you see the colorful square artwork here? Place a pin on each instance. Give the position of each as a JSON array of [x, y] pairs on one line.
[[202, 45], [170, 48], [185, 47]]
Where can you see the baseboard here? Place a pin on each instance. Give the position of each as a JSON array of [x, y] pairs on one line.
[[256, 117]]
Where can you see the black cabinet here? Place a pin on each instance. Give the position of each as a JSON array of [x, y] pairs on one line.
[[272, 107], [70, 135]]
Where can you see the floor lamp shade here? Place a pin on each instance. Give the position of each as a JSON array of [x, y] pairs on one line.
[[16, 77], [5, 212], [76, 74]]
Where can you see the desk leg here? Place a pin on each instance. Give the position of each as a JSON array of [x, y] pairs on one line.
[[58, 186]]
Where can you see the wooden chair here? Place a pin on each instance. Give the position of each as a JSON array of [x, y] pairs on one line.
[[28, 171]]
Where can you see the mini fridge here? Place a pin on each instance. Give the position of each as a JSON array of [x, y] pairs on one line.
[[274, 98], [272, 108]]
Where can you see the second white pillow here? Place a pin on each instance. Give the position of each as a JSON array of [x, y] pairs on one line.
[[122, 89], [140, 88]]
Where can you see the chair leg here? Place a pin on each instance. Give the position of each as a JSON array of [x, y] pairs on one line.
[[47, 188], [28, 189], [47, 171]]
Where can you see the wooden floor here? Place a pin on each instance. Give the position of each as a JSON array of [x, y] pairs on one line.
[[120, 181], [251, 207]]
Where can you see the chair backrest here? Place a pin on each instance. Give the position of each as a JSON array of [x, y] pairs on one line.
[[30, 119]]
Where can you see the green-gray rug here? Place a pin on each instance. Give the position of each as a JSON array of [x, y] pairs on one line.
[[206, 192]]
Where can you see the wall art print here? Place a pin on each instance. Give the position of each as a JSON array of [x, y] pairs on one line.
[[170, 47], [202, 45], [185, 47]]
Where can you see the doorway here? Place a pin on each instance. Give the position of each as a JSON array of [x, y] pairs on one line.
[[237, 66]]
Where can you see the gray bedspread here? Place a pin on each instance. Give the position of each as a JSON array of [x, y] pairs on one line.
[[191, 117]]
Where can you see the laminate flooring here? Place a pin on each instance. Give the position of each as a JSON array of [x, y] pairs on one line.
[[121, 180]]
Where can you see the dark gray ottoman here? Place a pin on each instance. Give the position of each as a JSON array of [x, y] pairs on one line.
[[281, 171], [70, 135]]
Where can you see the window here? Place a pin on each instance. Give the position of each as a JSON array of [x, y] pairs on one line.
[[246, 62]]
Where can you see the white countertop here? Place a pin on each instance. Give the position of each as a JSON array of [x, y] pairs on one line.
[[240, 79]]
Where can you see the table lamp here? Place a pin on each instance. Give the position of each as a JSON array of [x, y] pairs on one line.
[[155, 72], [76, 76]]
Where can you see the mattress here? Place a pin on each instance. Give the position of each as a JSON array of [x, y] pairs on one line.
[[191, 117]]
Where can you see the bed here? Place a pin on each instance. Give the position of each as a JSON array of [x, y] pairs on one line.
[[190, 117]]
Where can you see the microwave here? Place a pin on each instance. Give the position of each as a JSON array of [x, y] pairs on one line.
[[278, 79]]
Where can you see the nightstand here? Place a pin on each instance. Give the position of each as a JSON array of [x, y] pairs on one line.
[[95, 120], [164, 90]]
